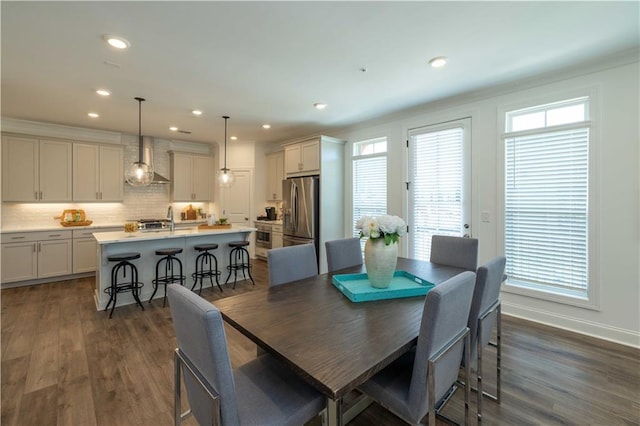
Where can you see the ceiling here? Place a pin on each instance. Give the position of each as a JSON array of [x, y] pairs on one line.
[[269, 62]]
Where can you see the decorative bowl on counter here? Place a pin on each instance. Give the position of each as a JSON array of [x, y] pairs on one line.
[[73, 217]]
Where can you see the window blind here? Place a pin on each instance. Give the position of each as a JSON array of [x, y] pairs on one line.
[[369, 180], [369, 188], [546, 208], [437, 185]]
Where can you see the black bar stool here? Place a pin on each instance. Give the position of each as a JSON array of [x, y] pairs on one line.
[[239, 261], [131, 284], [209, 259], [169, 268]]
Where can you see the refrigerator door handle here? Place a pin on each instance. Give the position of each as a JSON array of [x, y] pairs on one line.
[[294, 205]]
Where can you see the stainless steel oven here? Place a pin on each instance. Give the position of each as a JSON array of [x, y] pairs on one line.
[[263, 236]]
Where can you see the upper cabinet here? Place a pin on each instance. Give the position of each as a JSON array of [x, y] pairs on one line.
[[36, 170], [191, 177], [97, 172], [302, 158], [275, 175]]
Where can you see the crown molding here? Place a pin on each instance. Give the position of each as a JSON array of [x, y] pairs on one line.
[[50, 130]]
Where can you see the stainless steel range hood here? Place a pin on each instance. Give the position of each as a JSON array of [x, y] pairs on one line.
[[147, 157]]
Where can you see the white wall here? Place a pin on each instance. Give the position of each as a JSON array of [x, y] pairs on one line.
[[616, 190]]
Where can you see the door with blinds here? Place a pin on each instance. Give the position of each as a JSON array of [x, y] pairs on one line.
[[439, 184]]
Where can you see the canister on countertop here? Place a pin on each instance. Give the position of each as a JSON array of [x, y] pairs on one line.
[[191, 213]]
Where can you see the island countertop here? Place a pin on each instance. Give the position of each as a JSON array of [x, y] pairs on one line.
[[147, 243], [124, 237]]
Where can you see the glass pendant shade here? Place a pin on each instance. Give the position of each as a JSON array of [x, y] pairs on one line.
[[225, 176], [139, 173]]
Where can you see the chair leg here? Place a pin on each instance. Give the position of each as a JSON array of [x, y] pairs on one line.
[[134, 285], [230, 267], [177, 409], [467, 384], [249, 267], [155, 282], [498, 350]]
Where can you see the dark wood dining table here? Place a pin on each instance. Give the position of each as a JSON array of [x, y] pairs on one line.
[[332, 343]]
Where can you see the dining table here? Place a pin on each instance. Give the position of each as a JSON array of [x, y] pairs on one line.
[[329, 341]]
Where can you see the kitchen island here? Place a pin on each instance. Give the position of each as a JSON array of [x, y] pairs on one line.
[[146, 243]]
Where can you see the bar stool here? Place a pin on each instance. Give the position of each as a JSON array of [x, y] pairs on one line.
[[205, 258], [239, 261], [131, 285], [169, 276]]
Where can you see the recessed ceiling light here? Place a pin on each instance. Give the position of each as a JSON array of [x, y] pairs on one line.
[[438, 61], [196, 112], [117, 42], [266, 126], [173, 128], [103, 92], [233, 138], [320, 105], [93, 115]]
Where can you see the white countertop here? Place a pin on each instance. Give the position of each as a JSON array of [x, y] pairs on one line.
[[123, 237], [268, 222], [97, 226]]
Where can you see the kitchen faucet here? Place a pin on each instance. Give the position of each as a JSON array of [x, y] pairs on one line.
[[170, 217]]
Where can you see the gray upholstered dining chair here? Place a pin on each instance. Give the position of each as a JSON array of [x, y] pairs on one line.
[[455, 251], [261, 391], [485, 311], [411, 386], [291, 263], [343, 253]]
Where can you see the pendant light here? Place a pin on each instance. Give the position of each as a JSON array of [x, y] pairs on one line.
[[139, 173], [225, 176]]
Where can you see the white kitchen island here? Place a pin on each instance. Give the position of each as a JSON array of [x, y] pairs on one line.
[[146, 243]]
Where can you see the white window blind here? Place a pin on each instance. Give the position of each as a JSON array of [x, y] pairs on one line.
[[437, 187], [369, 180], [546, 203]]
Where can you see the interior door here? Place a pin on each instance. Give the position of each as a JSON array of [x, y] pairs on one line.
[[236, 200], [439, 184]]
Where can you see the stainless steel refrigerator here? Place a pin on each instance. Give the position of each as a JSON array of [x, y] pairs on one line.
[[300, 207]]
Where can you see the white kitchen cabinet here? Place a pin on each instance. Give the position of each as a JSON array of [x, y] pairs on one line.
[[276, 236], [85, 249], [32, 255], [19, 261], [302, 158], [275, 175], [191, 177], [97, 172], [36, 170]]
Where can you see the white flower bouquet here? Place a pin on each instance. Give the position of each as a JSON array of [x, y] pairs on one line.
[[387, 226]]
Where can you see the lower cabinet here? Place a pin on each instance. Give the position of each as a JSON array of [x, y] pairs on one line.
[[276, 236], [34, 255], [85, 249], [19, 261], [44, 254]]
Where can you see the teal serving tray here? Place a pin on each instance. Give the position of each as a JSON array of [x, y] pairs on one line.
[[357, 287]]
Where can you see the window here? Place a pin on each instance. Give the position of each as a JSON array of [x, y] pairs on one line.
[[546, 197], [369, 180]]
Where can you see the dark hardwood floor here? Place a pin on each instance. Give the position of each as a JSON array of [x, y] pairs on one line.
[[64, 363]]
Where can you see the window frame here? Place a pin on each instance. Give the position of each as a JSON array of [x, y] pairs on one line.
[[591, 298]]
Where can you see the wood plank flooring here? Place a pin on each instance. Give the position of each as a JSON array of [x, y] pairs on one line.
[[64, 363]]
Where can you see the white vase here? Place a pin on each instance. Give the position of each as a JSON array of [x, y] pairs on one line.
[[380, 260]]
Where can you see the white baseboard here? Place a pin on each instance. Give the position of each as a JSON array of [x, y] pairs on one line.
[[552, 319]]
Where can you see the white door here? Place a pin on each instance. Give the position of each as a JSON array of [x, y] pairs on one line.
[[439, 184], [236, 200]]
